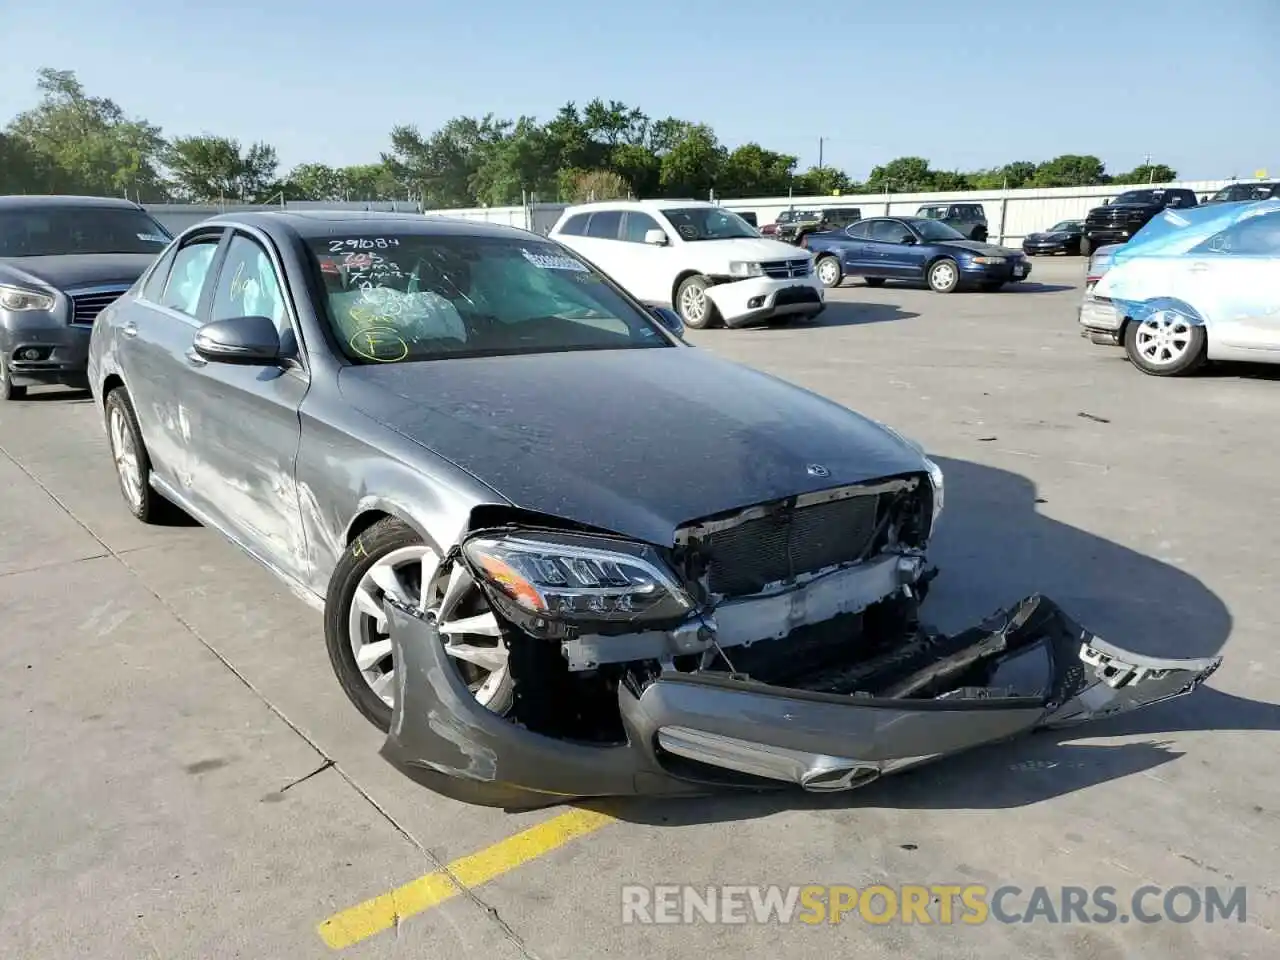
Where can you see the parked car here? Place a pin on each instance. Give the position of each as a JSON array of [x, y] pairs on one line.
[[969, 219], [1246, 192], [1201, 286], [1117, 221], [913, 248], [1063, 237], [806, 222], [703, 259], [749, 216], [62, 260], [560, 552]]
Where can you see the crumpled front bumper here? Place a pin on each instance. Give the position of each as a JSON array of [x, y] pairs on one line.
[[1026, 669]]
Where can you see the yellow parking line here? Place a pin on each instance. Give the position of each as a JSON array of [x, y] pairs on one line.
[[383, 912]]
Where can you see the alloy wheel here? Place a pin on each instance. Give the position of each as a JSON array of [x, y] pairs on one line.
[[125, 454], [1164, 338], [468, 629], [943, 276], [828, 271], [693, 304]]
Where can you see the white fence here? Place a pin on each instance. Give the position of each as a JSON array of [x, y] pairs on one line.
[[1011, 214]]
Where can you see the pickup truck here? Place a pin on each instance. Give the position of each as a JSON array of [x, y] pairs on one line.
[[1117, 221]]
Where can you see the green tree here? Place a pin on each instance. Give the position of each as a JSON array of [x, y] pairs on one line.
[[637, 165], [441, 169], [1147, 173], [583, 186], [313, 181], [752, 171], [903, 175], [370, 181], [824, 182], [208, 169], [516, 165], [1069, 170], [690, 168], [87, 144], [22, 170]]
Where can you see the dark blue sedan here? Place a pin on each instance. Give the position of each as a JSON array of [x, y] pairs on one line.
[[913, 248]]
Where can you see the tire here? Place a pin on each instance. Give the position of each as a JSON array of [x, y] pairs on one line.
[[1167, 343], [992, 286], [1086, 247], [132, 461], [873, 281], [980, 234], [691, 293], [383, 546], [943, 276], [9, 390], [828, 270]]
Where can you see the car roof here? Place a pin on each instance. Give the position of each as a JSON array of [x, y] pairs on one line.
[[315, 224], [675, 204], [37, 201]]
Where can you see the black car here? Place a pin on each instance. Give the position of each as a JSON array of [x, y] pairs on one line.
[[794, 225], [1062, 237], [62, 261], [1237, 192], [1117, 221]]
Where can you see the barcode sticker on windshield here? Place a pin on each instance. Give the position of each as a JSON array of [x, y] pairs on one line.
[[553, 261], [153, 238]]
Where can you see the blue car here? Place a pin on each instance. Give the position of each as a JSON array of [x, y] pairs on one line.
[[913, 248]]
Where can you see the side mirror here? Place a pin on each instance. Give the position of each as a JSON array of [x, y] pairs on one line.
[[656, 237], [248, 340], [669, 319]]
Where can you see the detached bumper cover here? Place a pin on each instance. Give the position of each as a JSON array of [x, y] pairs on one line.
[[1026, 669], [742, 302]]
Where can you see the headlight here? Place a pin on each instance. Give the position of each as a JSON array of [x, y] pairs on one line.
[[575, 578], [936, 479], [991, 260], [19, 298], [745, 268]]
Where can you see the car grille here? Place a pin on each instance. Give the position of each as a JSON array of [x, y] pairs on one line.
[[85, 307], [744, 559], [784, 269], [793, 295], [1115, 218]]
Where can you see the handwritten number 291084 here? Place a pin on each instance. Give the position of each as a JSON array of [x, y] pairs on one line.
[[363, 243]]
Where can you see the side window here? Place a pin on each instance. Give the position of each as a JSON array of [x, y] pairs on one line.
[[638, 224], [605, 225], [187, 278], [889, 231], [1252, 237], [153, 289], [859, 231], [248, 285], [576, 225]]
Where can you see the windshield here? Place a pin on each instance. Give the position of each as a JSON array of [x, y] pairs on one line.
[[1136, 196], [709, 223], [1065, 226], [403, 297], [936, 230], [58, 231], [933, 213]]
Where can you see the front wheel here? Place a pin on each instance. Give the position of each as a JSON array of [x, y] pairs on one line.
[[132, 461], [695, 307], [829, 272], [1086, 247], [391, 558], [9, 390], [944, 276], [1165, 343]]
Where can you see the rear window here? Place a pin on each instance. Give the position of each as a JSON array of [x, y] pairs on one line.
[[68, 230], [576, 225], [401, 297]]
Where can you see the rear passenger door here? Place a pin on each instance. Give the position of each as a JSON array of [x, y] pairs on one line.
[[600, 241], [155, 334], [647, 271], [245, 425]]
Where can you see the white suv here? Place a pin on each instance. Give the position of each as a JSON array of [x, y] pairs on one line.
[[704, 260]]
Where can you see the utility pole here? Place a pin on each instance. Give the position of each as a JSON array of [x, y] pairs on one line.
[[820, 139], [1151, 173]]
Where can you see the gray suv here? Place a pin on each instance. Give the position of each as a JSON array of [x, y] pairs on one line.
[[969, 218], [62, 260]]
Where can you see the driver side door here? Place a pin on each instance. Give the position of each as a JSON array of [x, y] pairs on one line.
[[246, 429], [898, 257]]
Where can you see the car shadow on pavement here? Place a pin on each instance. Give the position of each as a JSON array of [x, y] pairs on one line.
[[1033, 287], [844, 313], [58, 395], [994, 547]]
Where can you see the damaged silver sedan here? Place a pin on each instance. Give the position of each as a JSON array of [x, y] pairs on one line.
[[560, 552]]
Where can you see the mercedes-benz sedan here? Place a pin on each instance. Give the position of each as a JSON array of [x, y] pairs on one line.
[[559, 551]]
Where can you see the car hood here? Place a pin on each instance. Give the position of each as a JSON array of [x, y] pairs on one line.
[[75, 270], [637, 442], [978, 247], [1174, 232], [747, 248]]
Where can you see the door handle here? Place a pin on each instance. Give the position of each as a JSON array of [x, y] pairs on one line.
[[195, 359], [130, 329]]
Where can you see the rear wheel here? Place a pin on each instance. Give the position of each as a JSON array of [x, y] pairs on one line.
[[695, 307], [828, 270], [391, 558], [8, 390], [132, 461], [944, 276]]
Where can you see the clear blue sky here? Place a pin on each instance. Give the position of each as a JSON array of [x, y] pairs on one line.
[[964, 84]]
